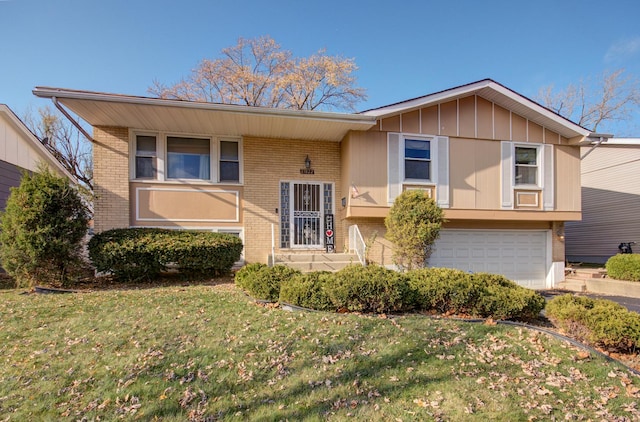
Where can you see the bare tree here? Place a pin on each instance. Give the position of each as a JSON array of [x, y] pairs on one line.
[[66, 144], [258, 72], [612, 98]]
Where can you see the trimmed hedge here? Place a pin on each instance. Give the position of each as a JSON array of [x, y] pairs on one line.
[[308, 291], [599, 322], [263, 282], [143, 253], [379, 290], [451, 291], [370, 289], [624, 267]]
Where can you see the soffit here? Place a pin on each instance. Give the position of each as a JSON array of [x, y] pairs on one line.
[[99, 109]]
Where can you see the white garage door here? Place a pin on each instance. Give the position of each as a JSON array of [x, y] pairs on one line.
[[520, 255]]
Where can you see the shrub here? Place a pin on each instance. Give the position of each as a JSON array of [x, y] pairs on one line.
[[413, 225], [308, 290], [143, 253], [42, 229], [451, 291], [369, 289], [624, 267], [263, 282], [505, 299], [599, 322], [246, 272]]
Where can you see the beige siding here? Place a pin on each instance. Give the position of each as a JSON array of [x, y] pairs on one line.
[[610, 203], [535, 133], [485, 118], [367, 169], [474, 174], [411, 122], [567, 172], [467, 111], [429, 120], [186, 205], [449, 118]]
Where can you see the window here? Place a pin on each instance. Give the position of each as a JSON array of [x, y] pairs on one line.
[[188, 158], [417, 159], [526, 161], [146, 157], [229, 162]]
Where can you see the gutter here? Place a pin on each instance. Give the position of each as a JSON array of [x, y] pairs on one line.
[[601, 137], [72, 120]]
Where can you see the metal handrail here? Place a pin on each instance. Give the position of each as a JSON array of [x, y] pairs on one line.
[[357, 244]]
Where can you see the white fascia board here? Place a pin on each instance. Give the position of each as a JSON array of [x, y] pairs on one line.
[[427, 99]]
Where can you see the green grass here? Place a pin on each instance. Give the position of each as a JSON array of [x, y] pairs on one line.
[[209, 353]]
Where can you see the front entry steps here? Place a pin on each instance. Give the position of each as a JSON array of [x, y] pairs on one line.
[[576, 279], [316, 261]]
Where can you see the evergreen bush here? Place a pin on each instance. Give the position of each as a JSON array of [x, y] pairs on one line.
[[41, 230], [143, 253], [370, 289], [624, 267], [413, 225], [308, 291]]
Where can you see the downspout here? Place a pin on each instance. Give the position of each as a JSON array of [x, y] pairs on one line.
[[72, 120], [601, 138]]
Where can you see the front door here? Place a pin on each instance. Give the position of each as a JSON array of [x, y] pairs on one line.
[[306, 215]]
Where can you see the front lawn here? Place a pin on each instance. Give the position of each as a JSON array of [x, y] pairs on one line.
[[210, 353]]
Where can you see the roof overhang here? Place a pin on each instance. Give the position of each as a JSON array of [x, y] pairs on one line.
[[144, 113], [496, 93], [33, 140]]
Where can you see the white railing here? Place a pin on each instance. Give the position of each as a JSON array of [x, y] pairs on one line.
[[357, 245], [272, 261]]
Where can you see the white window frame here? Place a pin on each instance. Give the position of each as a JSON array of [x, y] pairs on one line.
[[161, 157], [433, 161], [218, 159], [165, 144], [538, 166], [134, 155]]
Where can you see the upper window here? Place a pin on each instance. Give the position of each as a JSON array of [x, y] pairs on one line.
[[526, 166], [188, 158], [146, 157], [229, 162], [417, 159]]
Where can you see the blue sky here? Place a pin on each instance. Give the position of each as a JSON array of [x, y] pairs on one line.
[[404, 49]]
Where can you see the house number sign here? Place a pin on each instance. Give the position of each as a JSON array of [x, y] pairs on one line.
[[329, 234]]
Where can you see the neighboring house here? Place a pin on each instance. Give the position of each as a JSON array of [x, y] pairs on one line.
[[505, 169], [20, 150], [610, 202]]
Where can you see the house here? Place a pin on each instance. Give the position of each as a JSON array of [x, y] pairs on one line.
[[20, 150], [610, 202], [505, 169]]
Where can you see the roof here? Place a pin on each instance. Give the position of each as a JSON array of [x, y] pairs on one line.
[[144, 113], [622, 141], [496, 93], [33, 141]]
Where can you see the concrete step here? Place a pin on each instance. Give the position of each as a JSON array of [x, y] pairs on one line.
[[307, 262], [572, 285]]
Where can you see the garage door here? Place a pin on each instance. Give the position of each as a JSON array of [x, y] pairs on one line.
[[520, 255]]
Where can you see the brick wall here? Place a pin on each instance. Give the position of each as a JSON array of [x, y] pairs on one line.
[[111, 177], [379, 249], [266, 163]]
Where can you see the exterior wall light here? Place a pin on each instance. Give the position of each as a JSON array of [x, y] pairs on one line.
[[307, 163]]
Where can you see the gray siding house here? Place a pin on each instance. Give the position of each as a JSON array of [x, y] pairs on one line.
[[610, 202]]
